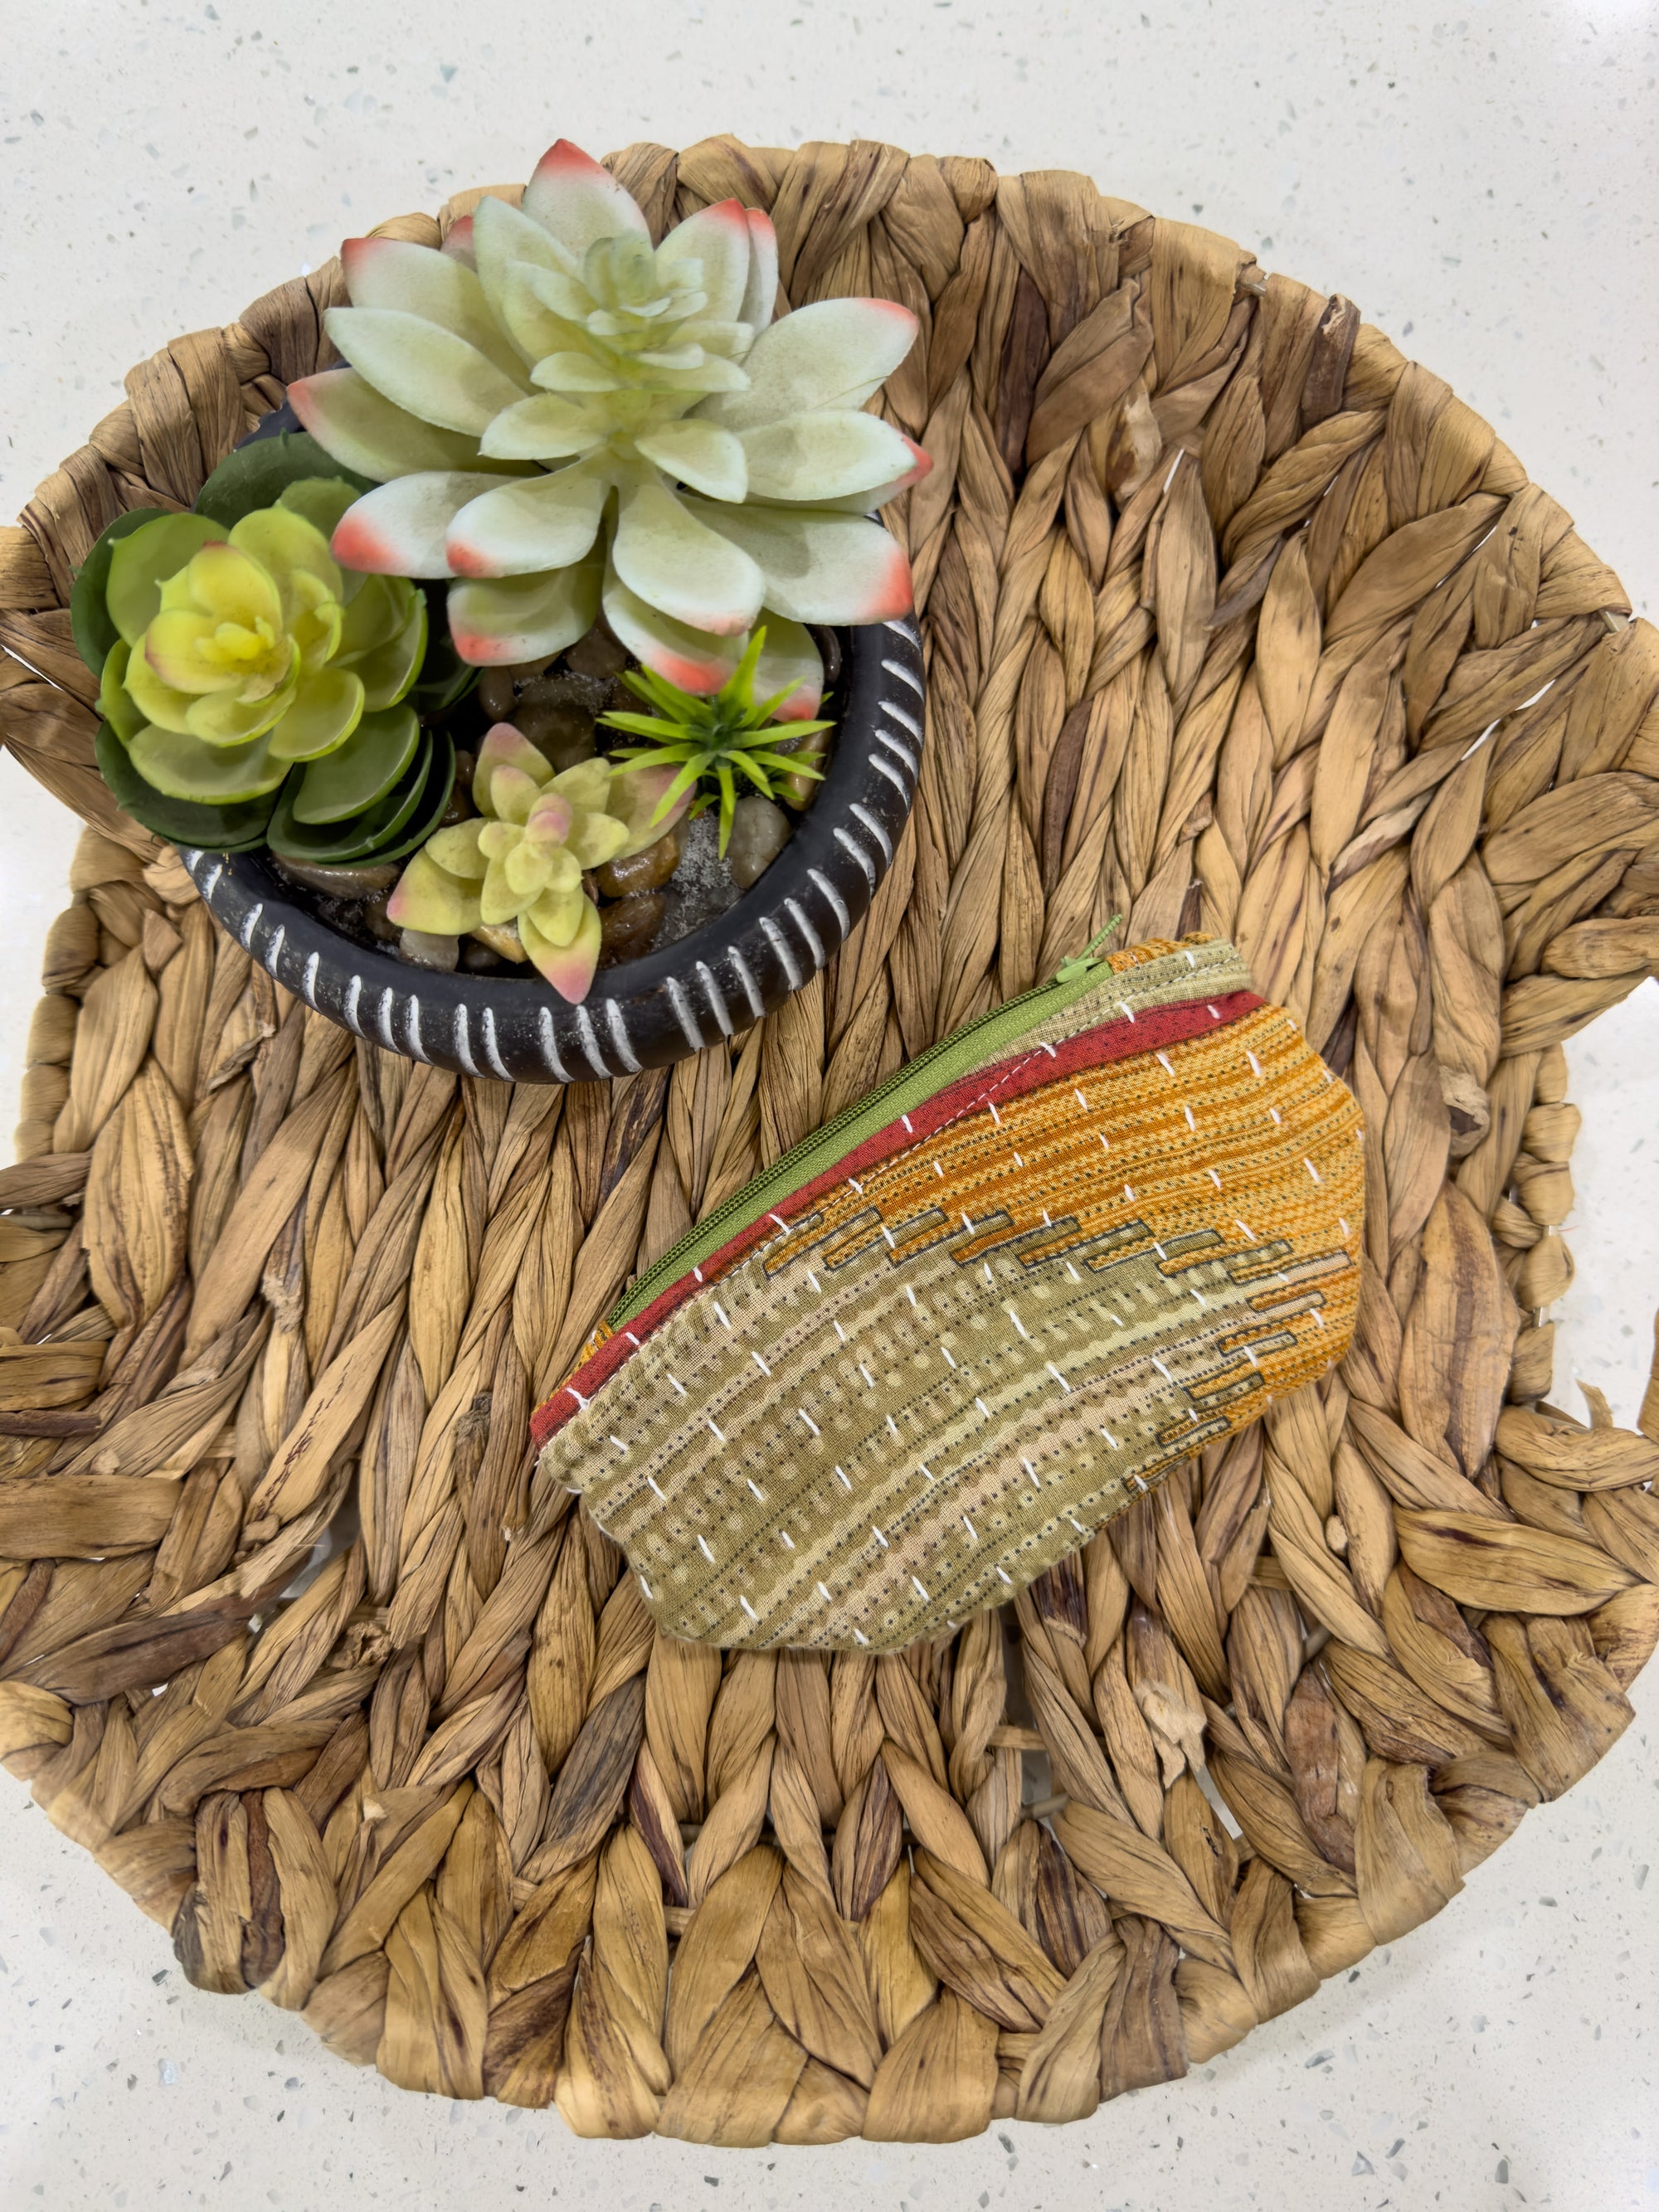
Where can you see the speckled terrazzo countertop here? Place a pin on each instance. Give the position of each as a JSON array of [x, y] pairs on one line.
[[1483, 186]]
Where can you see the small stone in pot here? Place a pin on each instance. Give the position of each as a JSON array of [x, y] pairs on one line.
[[562, 689], [799, 791], [461, 807], [478, 960], [557, 713], [339, 882], [640, 871], [377, 922], [599, 654], [422, 948], [501, 938], [760, 831], [498, 687], [828, 644], [497, 694], [564, 733], [628, 927]]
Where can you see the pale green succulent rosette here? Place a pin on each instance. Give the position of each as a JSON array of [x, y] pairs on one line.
[[566, 420], [521, 863]]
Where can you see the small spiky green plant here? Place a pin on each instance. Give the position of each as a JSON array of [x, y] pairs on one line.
[[713, 739]]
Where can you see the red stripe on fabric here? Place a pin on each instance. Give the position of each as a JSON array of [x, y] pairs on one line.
[[1014, 1077]]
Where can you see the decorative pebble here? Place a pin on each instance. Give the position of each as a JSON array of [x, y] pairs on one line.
[[564, 733], [557, 713], [599, 654], [760, 831], [562, 688], [799, 791], [461, 807], [419, 948], [501, 938], [340, 883], [497, 694], [378, 922], [640, 871], [828, 642], [628, 927]]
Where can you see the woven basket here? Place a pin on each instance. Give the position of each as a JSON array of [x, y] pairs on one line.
[[1234, 620]]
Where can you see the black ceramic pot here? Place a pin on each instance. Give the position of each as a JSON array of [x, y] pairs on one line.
[[642, 1013]]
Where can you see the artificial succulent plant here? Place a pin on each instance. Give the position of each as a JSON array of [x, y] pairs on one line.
[[513, 874], [239, 652], [252, 692], [710, 741], [561, 416]]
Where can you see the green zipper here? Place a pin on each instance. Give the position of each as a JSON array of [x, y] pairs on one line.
[[908, 1087]]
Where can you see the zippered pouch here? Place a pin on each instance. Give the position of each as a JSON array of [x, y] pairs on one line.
[[934, 1348]]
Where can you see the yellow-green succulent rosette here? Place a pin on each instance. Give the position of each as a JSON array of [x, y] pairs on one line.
[[243, 652]]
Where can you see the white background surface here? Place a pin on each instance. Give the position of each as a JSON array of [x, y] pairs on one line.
[[1484, 186]]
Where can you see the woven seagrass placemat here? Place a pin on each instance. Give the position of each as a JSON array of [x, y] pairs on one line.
[[1235, 619]]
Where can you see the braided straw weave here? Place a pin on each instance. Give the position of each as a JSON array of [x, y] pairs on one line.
[[1235, 619]]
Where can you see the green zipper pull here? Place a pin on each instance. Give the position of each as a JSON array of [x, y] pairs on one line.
[[1081, 963]]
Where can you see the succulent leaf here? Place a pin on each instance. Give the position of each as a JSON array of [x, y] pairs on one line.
[[827, 455], [379, 609], [400, 529], [817, 567], [140, 562], [715, 241], [578, 202], [513, 618], [547, 428], [326, 709], [420, 365], [836, 353], [530, 525], [390, 829], [115, 702], [389, 672], [412, 280], [789, 672], [429, 898], [568, 967], [640, 803], [666, 554], [282, 545], [356, 776], [182, 767], [760, 295], [503, 234], [711, 460], [696, 660], [505, 747], [456, 851], [238, 827], [366, 432], [322, 500]]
